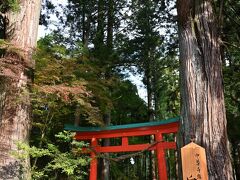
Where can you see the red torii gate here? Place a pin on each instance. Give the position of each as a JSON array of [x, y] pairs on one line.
[[156, 128]]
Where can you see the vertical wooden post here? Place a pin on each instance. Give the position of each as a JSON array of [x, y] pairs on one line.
[[93, 164], [162, 168], [124, 141]]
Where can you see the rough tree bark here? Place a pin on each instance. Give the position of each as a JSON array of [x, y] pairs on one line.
[[203, 109], [15, 77], [151, 111]]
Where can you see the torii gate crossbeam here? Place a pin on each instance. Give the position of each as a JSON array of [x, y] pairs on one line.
[[156, 128]]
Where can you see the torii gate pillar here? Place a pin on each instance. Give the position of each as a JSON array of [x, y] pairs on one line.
[[157, 129], [93, 164]]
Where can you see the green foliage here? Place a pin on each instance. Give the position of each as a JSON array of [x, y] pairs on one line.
[[128, 107], [229, 24], [154, 55], [66, 136], [67, 59], [232, 94], [167, 88], [24, 150], [3, 43], [6, 5], [66, 84], [67, 162]]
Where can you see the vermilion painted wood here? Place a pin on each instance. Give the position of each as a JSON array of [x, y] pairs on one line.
[[124, 141], [162, 168], [157, 130], [137, 147], [93, 164], [164, 129], [130, 148]]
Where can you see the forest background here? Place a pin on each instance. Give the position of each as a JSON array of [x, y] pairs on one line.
[[81, 77]]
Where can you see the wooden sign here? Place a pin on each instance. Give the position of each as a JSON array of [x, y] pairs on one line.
[[194, 163]]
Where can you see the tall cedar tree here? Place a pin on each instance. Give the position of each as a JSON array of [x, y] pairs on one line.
[[144, 48], [203, 109], [20, 33], [99, 46]]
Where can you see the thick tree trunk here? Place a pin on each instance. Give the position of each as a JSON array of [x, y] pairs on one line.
[[202, 99], [15, 121], [15, 71]]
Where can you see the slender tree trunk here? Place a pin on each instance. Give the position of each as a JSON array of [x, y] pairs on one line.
[[150, 105], [15, 77], [202, 99], [100, 26], [150, 95], [110, 25], [77, 116], [107, 114], [151, 117], [84, 23], [156, 92], [106, 142], [238, 162], [236, 159], [87, 31]]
